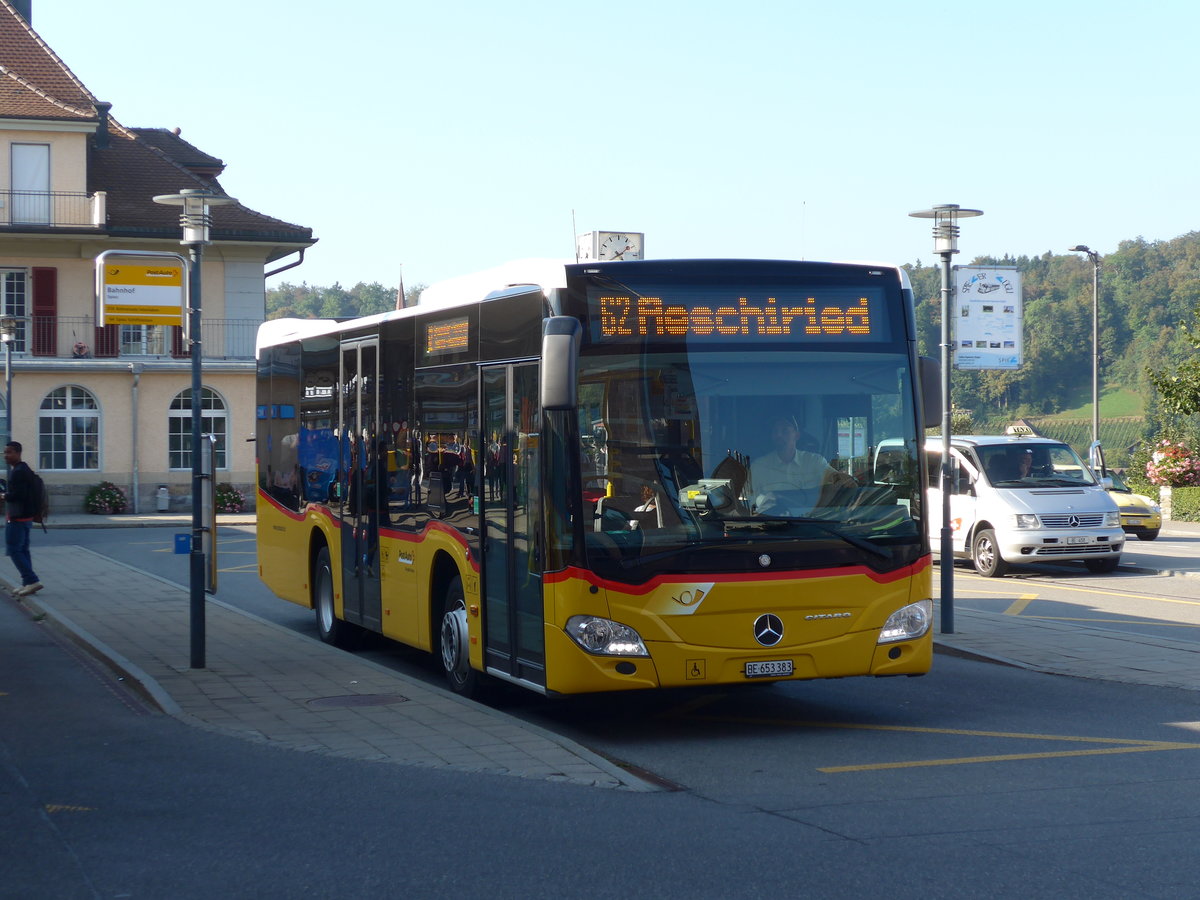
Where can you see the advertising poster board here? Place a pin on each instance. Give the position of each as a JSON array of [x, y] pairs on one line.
[[987, 317]]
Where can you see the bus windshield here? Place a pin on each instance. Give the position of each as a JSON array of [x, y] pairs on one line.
[[685, 454]]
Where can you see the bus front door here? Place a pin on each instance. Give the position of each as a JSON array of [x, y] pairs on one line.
[[363, 497], [510, 507]]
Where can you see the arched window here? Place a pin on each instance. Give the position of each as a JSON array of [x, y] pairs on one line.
[[179, 427], [69, 429]]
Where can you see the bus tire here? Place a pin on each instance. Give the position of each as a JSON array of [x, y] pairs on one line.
[[454, 641], [330, 628], [1103, 565], [985, 554]]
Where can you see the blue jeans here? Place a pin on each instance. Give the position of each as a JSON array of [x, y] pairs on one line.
[[16, 545]]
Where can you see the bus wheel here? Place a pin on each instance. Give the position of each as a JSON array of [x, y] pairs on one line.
[[331, 629], [986, 555], [455, 642]]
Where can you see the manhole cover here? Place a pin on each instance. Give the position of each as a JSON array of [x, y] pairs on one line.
[[355, 700]]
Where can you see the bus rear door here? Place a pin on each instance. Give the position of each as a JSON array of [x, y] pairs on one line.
[[361, 492]]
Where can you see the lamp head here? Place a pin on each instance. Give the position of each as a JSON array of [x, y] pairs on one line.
[[945, 225], [1080, 248]]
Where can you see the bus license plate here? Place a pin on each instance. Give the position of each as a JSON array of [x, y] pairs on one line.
[[771, 668]]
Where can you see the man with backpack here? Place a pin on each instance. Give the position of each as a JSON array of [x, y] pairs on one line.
[[23, 503]]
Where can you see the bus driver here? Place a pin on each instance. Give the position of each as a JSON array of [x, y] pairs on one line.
[[789, 480]]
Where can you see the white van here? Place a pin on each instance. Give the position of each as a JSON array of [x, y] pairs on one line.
[[1017, 499]]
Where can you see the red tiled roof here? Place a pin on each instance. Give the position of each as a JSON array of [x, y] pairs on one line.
[[133, 172], [28, 62]]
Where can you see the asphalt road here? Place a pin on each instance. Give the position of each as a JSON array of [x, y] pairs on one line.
[[976, 780]]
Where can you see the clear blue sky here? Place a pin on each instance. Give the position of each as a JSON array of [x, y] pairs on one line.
[[449, 137]]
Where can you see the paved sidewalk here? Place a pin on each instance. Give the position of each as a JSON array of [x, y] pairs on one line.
[[267, 683]]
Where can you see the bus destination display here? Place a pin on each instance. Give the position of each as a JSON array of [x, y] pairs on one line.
[[854, 316], [446, 336]]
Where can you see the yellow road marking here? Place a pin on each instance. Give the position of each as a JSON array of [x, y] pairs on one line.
[[1117, 745], [1009, 757], [66, 807], [1019, 605], [1142, 620], [1083, 590]]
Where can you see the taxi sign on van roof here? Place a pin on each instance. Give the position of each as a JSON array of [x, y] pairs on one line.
[[1020, 429]]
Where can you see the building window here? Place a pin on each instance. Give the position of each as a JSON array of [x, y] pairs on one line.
[[143, 340], [30, 173], [69, 430], [179, 427], [14, 293]]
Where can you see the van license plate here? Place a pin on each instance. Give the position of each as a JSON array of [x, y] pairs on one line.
[[772, 668], [1077, 540]]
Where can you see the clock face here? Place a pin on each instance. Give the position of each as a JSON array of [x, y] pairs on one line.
[[621, 246]]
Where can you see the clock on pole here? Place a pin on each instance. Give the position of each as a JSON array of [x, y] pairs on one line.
[[610, 245]]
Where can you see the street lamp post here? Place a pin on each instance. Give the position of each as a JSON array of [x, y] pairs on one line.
[[945, 244], [195, 221], [8, 334], [1095, 258]]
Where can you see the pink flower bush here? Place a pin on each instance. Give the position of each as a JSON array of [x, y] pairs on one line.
[[1173, 465]]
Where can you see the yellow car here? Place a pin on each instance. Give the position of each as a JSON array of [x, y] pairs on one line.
[[1140, 515]]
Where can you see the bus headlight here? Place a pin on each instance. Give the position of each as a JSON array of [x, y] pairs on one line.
[[605, 637], [907, 623], [1025, 520]]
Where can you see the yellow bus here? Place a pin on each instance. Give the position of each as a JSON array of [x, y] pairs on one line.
[[559, 475]]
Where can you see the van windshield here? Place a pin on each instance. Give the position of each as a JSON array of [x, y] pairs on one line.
[[1033, 465]]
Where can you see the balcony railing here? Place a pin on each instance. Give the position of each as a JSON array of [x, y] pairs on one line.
[[78, 337], [52, 209]]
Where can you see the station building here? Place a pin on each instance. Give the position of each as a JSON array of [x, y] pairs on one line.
[[114, 403]]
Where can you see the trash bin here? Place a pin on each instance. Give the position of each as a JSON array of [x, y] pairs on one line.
[[164, 498]]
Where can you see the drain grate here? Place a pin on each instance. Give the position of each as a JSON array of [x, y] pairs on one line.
[[351, 700]]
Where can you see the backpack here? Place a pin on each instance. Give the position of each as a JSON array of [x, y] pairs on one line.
[[40, 500]]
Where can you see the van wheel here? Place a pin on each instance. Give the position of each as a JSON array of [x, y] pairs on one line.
[[455, 642], [1100, 566], [986, 555], [1147, 534]]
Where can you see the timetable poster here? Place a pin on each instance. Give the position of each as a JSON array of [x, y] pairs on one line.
[[987, 318]]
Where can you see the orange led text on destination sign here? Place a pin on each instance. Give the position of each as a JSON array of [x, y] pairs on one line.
[[648, 316]]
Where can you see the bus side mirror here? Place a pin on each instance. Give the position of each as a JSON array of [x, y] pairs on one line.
[[561, 337], [931, 391]]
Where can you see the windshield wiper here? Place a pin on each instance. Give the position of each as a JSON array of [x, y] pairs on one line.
[[820, 524], [630, 561]]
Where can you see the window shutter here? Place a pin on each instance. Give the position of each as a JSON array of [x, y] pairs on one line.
[[44, 311], [179, 347], [108, 341]]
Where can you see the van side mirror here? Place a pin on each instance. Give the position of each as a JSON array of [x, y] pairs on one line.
[[931, 391], [561, 338]]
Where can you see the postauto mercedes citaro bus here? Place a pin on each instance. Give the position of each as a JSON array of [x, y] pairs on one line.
[[544, 474]]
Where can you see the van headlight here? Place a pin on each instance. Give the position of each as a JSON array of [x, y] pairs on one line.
[[1027, 520], [604, 637], [1112, 519], [907, 623]]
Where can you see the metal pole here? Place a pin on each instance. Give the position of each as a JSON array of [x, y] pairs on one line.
[[947, 546], [196, 559], [7, 391], [1095, 346]]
